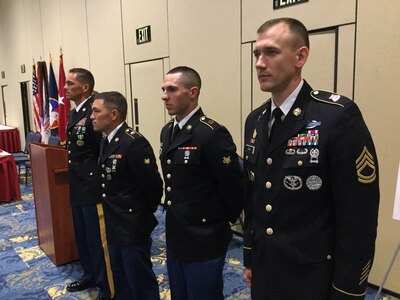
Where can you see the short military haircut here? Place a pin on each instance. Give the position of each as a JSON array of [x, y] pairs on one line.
[[114, 100], [298, 30], [189, 77], [84, 76]]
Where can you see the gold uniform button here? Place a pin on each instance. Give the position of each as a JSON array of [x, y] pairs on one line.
[[328, 257], [103, 175], [168, 161], [69, 142], [269, 161], [169, 202], [204, 220], [300, 163], [268, 207], [69, 161], [130, 210], [103, 166], [269, 231], [103, 185], [91, 174], [69, 151], [186, 161], [268, 185], [168, 176], [103, 195], [168, 189]]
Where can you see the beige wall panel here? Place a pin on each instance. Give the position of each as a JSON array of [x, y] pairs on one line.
[[319, 69], [14, 43], [376, 92], [146, 80], [105, 44], [51, 31], [128, 95], [314, 14], [346, 52], [246, 99], [34, 36], [206, 36], [137, 14], [74, 34]]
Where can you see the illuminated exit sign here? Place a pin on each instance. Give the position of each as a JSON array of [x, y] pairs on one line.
[[285, 3], [143, 35]]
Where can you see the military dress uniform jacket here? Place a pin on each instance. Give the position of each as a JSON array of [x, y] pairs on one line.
[[311, 200], [83, 145], [203, 188], [131, 187]]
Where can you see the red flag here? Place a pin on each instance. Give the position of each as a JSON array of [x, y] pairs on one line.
[[64, 106], [36, 101]]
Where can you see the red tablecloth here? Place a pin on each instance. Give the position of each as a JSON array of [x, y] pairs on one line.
[[9, 185], [9, 139]]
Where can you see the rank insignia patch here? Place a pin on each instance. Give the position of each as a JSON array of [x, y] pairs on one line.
[[147, 161], [365, 167], [365, 272], [226, 160]]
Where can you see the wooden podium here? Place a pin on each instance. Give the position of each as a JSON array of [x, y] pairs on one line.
[[49, 170]]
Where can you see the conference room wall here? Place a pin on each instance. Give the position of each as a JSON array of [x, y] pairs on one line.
[[376, 90], [34, 29], [210, 40]]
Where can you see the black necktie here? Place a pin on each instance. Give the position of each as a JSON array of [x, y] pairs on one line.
[[73, 114], [277, 113], [105, 144], [175, 131]]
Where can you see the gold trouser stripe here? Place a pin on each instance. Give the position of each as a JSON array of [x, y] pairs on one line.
[[102, 225], [347, 293]]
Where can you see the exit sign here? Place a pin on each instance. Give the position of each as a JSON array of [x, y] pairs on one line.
[[143, 35], [285, 3]]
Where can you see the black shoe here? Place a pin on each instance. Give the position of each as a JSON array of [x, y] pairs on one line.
[[79, 285]]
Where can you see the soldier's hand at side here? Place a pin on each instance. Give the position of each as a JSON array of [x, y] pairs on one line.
[[247, 276]]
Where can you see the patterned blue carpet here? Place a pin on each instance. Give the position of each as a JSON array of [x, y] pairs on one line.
[[26, 273]]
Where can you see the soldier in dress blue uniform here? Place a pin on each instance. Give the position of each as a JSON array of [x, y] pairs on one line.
[[311, 181], [131, 189], [203, 190], [83, 145]]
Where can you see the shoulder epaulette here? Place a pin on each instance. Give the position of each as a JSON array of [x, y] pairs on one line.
[[132, 133], [209, 122], [327, 97]]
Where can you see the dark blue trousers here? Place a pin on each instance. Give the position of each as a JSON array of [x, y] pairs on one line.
[[133, 272], [91, 253], [195, 280]]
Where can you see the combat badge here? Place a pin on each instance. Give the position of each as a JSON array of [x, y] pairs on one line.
[[312, 124], [365, 166], [314, 183], [293, 182]]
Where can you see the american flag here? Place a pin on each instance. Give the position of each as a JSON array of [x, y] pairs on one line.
[[36, 103]]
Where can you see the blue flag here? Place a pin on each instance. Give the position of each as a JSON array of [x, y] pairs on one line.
[[53, 101]]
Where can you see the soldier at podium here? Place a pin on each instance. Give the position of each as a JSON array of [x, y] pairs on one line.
[[131, 188], [83, 145]]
